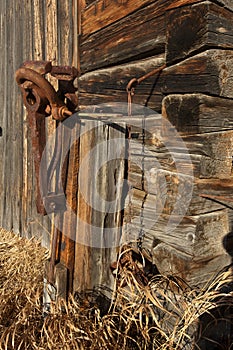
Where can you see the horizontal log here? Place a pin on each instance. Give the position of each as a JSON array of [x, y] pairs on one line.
[[223, 186], [170, 261], [102, 13], [155, 145], [87, 99], [200, 237], [179, 3], [198, 113], [108, 38], [202, 156], [226, 3], [109, 85], [209, 72], [165, 190], [217, 191], [122, 41], [197, 27]]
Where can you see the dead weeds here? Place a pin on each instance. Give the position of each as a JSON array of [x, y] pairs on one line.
[[161, 314]]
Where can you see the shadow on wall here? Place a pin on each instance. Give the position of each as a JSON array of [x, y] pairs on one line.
[[216, 328]]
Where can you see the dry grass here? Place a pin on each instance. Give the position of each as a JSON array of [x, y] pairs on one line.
[[21, 287], [160, 314]]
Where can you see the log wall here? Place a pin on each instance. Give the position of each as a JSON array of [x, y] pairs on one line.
[[194, 93]]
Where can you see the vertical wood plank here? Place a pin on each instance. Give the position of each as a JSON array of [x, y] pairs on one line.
[[67, 255], [27, 156], [76, 16], [51, 38], [101, 176], [17, 121], [82, 267], [39, 33], [29, 30], [64, 32], [3, 115]]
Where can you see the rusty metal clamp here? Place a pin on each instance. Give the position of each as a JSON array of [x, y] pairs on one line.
[[41, 100]]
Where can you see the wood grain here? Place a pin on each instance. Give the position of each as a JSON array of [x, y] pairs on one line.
[[39, 51], [25, 20], [198, 236], [64, 31], [109, 85], [194, 28], [201, 155], [121, 42], [209, 72], [99, 212], [168, 187], [174, 262], [198, 113], [69, 170], [103, 13], [180, 3], [164, 191]]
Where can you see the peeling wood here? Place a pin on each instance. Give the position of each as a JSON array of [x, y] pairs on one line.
[[39, 51], [51, 37]]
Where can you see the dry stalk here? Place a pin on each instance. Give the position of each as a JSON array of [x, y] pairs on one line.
[[161, 312]]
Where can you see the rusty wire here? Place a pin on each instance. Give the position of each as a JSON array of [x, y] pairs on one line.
[[134, 82]]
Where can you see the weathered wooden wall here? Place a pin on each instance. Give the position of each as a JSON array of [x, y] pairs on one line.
[[30, 30], [127, 39], [118, 41]]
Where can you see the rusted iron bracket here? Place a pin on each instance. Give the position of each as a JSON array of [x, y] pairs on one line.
[[41, 100]]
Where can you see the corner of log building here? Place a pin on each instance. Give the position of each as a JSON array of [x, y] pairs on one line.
[[194, 93]]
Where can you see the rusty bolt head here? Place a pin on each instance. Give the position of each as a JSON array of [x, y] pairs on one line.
[[64, 72], [52, 206]]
